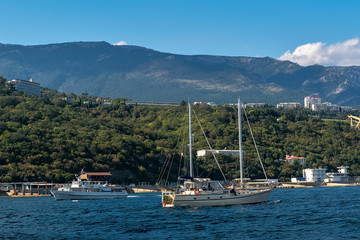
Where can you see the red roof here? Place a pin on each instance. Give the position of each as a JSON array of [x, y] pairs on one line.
[[291, 157]]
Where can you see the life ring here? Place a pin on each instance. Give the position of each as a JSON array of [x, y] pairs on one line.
[[196, 191], [164, 203]]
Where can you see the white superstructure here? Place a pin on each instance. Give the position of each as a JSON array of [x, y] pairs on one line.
[[87, 190]]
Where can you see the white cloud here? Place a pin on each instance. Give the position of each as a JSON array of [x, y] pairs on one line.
[[121, 43], [339, 54]]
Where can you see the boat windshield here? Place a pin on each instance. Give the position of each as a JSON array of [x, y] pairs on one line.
[[204, 185]]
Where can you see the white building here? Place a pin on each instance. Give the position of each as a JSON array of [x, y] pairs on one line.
[[341, 176], [68, 99], [205, 103], [314, 175], [202, 153], [28, 87], [316, 105], [325, 106], [293, 159], [346, 108], [152, 103], [256, 105], [308, 101], [288, 105]]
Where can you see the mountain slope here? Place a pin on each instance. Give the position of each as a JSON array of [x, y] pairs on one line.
[[137, 73]]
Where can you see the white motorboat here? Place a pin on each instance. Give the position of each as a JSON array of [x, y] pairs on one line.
[[87, 190], [197, 192]]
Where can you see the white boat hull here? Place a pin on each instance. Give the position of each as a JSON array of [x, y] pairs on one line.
[[219, 199], [78, 195]]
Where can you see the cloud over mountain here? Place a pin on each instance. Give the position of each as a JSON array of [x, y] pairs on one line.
[[345, 53], [121, 43]]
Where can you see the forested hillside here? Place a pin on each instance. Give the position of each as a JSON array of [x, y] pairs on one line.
[[48, 139]]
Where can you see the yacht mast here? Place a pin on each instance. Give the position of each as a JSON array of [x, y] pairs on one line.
[[190, 144], [240, 144]]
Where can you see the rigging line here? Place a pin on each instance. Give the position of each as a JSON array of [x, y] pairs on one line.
[[172, 159], [181, 136], [209, 173], [212, 151], [166, 166], [179, 171], [200, 175], [182, 156], [166, 163], [162, 171], [196, 169], [250, 168], [257, 150]]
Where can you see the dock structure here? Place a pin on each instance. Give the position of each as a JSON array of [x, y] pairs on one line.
[[26, 189], [144, 187]]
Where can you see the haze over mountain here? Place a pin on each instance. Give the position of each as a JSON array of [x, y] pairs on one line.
[[137, 73]]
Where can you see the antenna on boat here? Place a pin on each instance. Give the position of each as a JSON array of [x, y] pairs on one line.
[[240, 144]]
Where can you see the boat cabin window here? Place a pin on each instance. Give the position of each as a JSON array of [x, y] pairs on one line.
[[205, 186], [189, 186], [209, 186]]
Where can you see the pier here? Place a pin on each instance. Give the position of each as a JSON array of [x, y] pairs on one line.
[[26, 189], [143, 187]]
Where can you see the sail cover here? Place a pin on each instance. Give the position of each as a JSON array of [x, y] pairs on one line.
[[185, 177]]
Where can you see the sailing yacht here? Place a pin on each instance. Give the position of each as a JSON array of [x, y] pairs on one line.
[[196, 192]]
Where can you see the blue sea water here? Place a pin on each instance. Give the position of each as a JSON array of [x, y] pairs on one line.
[[311, 213]]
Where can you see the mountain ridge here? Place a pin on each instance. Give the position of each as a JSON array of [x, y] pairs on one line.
[[143, 74]]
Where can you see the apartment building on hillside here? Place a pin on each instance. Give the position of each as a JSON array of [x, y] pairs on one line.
[[30, 87]]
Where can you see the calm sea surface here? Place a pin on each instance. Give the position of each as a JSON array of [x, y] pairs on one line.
[[316, 213]]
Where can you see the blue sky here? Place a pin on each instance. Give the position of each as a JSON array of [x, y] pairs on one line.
[[230, 28]]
